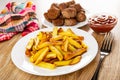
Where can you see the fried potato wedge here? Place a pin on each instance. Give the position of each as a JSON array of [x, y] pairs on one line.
[[62, 63], [42, 45], [71, 48], [55, 32], [30, 44], [75, 53], [65, 45], [58, 53], [74, 43], [51, 55], [76, 60], [42, 55], [47, 65]]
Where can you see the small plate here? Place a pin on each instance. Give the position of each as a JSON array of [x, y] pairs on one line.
[[78, 25], [22, 61]]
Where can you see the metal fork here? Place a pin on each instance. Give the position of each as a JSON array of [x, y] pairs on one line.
[[105, 50]]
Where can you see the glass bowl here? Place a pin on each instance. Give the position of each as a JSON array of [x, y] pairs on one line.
[[102, 23]]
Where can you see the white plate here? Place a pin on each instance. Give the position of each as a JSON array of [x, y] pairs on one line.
[[22, 61], [78, 25]]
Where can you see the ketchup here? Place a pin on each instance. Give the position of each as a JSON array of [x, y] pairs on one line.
[[102, 23]]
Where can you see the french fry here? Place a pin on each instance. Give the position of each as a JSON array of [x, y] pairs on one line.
[[84, 45], [74, 43], [75, 60], [28, 52], [69, 34], [62, 63], [30, 44], [57, 43], [59, 48], [65, 45], [42, 45], [75, 53], [56, 38], [42, 55], [58, 53], [51, 55], [71, 48], [55, 32], [47, 65], [35, 57]]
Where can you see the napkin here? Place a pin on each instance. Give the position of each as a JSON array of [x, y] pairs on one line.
[[16, 18]]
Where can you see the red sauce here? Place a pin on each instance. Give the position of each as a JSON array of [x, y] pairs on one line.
[[102, 23]]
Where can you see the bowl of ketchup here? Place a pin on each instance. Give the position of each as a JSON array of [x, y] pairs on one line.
[[102, 23]]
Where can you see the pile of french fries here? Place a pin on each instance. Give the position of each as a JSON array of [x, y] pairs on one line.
[[55, 48]]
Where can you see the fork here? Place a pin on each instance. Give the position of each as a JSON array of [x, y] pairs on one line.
[[105, 50]]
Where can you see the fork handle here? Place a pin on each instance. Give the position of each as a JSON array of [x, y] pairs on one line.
[[95, 76]]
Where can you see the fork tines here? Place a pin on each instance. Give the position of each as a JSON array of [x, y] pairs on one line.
[[107, 42]]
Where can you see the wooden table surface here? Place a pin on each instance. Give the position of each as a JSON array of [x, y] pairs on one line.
[[110, 69]]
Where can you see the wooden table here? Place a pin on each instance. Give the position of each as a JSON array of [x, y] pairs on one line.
[[110, 69]]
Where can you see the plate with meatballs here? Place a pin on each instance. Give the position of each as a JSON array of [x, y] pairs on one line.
[[67, 14]]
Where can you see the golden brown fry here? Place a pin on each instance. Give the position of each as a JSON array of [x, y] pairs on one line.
[[76, 60], [55, 32], [30, 44], [62, 63], [57, 43], [56, 38], [74, 43], [47, 65], [51, 55], [42, 55], [71, 48], [69, 34], [69, 30], [42, 45], [59, 48], [58, 53], [84, 45], [78, 52], [65, 45], [28, 52]]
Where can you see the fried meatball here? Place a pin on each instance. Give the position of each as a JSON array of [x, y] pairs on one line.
[[70, 3], [58, 22], [62, 6], [54, 5], [46, 17], [53, 13], [81, 17], [77, 7], [69, 13], [70, 22]]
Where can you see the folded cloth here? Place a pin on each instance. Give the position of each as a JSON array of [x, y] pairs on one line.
[[30, 27], [17, 19], [6, 36]]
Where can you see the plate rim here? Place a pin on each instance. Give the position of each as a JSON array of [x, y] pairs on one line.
[[78, 25]]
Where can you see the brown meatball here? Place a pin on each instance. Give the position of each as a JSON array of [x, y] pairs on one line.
[[69, 13], [54, 5], [46, 17], [81, 17], [77, 7], [62, 6], [58, 22], [70, 3], [53, 13], [70, 22]]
